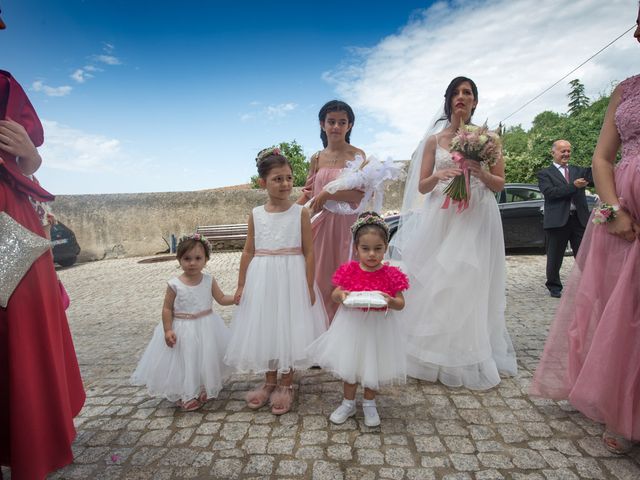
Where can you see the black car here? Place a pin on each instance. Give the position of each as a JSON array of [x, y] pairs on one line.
[[521, 209], [64, 245]]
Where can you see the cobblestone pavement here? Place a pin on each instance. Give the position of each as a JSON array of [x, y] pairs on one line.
[[428, 431]]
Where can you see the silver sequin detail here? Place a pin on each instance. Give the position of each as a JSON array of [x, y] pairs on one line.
[[19, 248]]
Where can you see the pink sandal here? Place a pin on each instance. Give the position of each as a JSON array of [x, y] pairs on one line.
[[191, 405], [282, 399], [616, 443], [259, 397]]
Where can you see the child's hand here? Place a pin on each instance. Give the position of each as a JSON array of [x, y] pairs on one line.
[[238, 295], [388, 298], [343, 296], [170, 338]]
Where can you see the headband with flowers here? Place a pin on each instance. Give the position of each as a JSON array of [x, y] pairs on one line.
[[267, 152], [198, 237], [369, 218]]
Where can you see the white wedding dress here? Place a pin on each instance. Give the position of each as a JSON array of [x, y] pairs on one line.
[[454, 313]]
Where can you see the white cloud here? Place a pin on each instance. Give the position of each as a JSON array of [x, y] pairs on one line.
[[81, 75], [513, 49], [67, 148], [280, 110], [108, 59], [39, 86]]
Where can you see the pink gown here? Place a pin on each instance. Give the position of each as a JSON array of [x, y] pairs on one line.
[[331, 238], [592, 354]]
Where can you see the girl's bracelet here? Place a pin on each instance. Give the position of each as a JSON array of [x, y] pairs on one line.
[[605, 213]]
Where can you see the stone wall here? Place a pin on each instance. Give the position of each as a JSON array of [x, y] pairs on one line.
[[123, 225]]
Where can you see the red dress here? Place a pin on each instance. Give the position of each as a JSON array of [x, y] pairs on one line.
[[40, 385]]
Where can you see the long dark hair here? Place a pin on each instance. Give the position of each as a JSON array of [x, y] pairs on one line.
[[448, 94], [335, 106]]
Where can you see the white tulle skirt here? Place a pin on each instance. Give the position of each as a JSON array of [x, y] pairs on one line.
[[454, 314], [192, 366], [364, 347], [275, 322]]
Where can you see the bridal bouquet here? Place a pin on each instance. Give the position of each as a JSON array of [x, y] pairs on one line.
[[470, 143]]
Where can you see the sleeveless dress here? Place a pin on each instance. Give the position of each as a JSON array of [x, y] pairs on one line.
[[592, 354], [331, 238], [194, 364], [454, 313], [364, 346], [275, 321]]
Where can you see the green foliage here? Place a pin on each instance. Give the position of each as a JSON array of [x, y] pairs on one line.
[[527, 152], [578, 101], [299, 164]]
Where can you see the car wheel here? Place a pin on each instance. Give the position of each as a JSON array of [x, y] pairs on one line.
[[67, 262]]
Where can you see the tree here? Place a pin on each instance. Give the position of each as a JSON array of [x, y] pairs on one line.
[[578, 101], [299, 164], [527, 152]]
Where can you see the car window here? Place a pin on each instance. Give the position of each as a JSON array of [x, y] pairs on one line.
[[522, 195]]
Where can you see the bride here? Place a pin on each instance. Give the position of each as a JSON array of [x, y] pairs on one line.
[[454, 314]]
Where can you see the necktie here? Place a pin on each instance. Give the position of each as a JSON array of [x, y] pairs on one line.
[[566, 173]]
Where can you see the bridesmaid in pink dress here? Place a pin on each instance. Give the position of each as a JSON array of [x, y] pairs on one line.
[[592, 355], [331, 231]]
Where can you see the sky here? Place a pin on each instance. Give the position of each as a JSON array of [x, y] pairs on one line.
[[148, 96]]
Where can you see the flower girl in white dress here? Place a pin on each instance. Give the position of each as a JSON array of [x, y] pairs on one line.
[[278, 315], [183, 361]]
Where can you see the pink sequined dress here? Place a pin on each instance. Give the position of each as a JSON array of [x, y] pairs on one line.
[[331, 238], [592, 354]]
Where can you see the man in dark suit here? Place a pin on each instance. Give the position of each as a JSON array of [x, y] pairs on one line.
[[565, 209]]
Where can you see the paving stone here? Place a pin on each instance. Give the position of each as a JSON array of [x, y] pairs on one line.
[[323, 470], [281, 446], [259, 464], [368, 456], [229, 468], [466, 463], [309, 453], [527, 459], [489, 475], [358, 473], [399, 457], [254, 446], [292, 468], [459, 444], [559, 474], [495, 460], [181, 437], [391, 473], [622, 468], [429, 444], [368, 441], [420, 474], [339, 452]]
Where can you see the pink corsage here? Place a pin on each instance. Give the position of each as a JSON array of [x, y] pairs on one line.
[[605, 213]]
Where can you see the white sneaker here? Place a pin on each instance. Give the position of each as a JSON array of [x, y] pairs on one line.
[[371, 417], [346, 409]]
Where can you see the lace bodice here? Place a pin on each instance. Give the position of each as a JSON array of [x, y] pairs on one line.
[[274, 231], [443, 160], [192, 299], [628, 118]]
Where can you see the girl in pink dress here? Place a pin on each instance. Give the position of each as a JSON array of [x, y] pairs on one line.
[[592, 355], [331, 231], [364, 345]]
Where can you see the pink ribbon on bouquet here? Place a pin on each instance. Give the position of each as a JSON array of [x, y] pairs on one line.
[[463, 204]]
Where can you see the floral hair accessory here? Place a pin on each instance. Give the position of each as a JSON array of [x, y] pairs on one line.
[[267, 152], [369, 218], [198, 237], [605, 213]]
